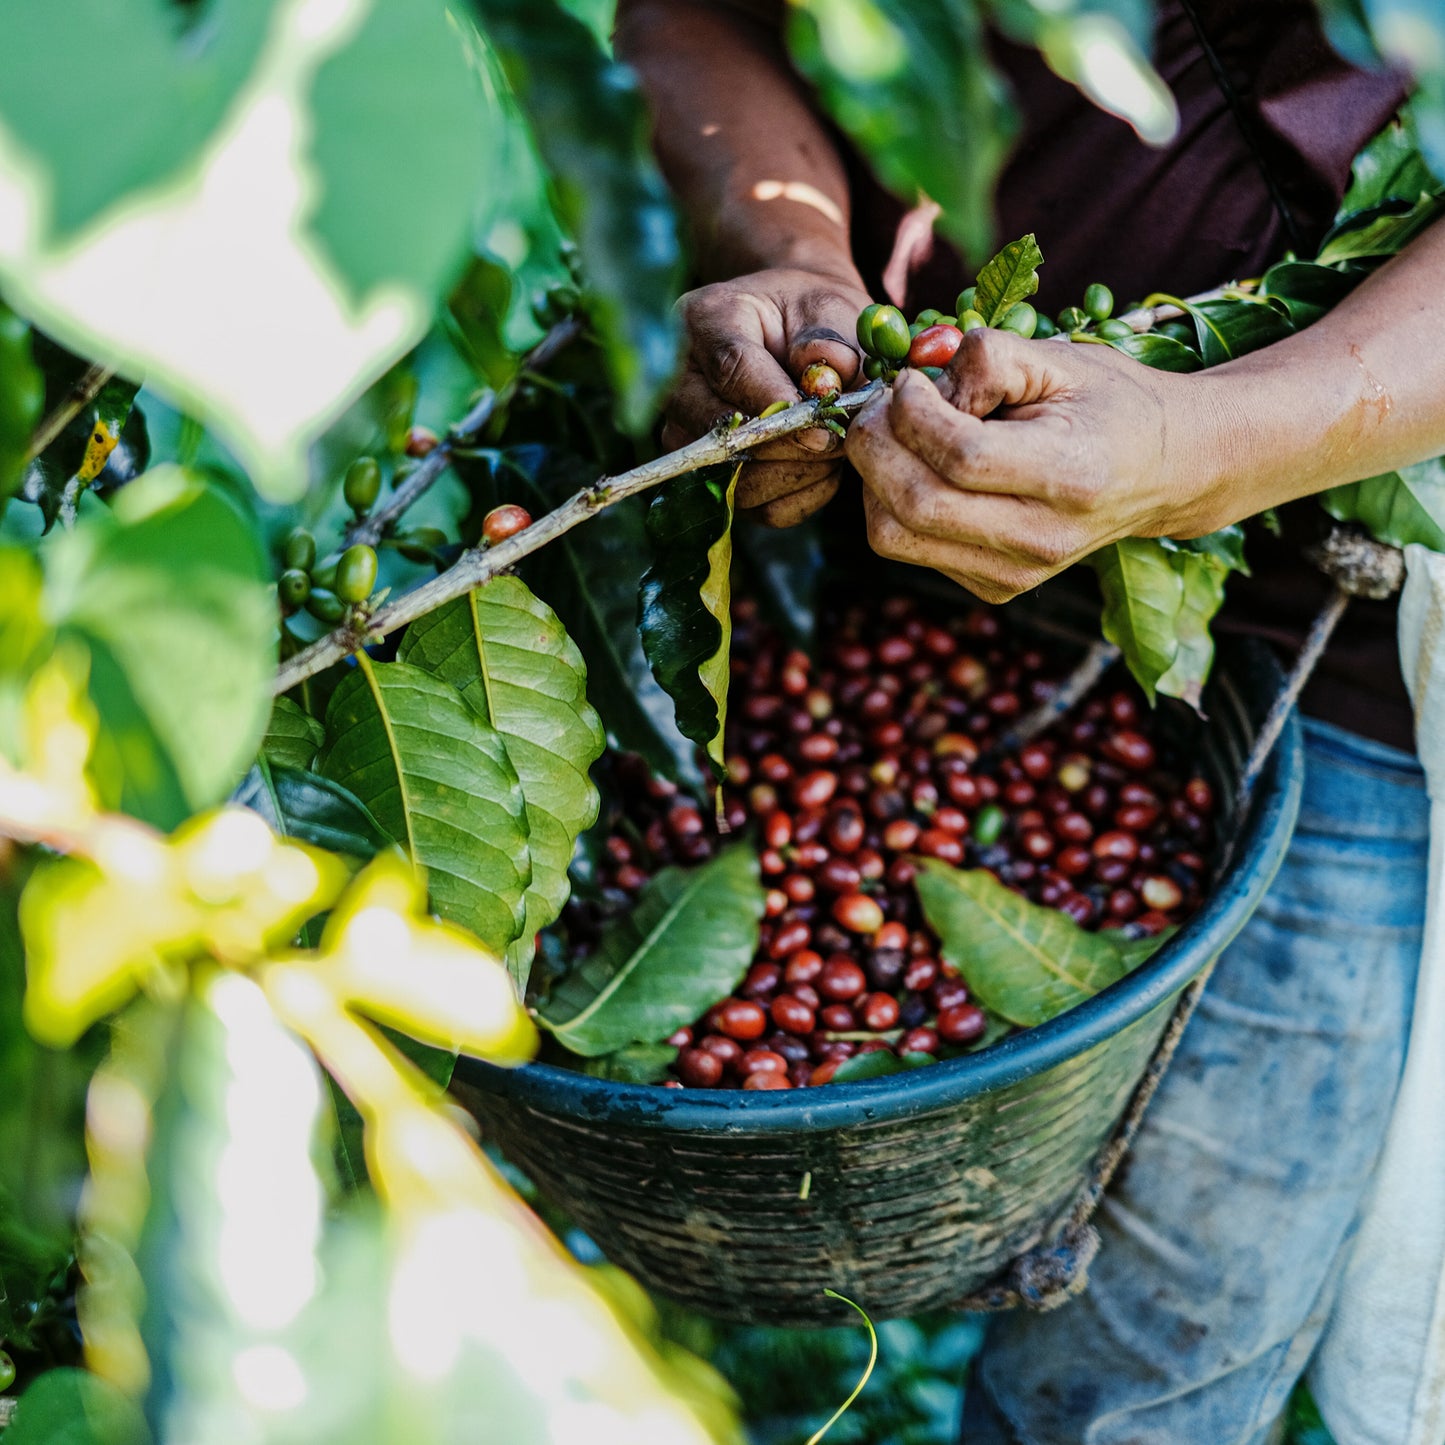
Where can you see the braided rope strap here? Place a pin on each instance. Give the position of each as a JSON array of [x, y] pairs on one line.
[[1057, 1269]]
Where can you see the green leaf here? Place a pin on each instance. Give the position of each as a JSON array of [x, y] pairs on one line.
[[1390, 168], [685, 945], [438, 779], [22, 398], [169, 592], [910, 82], [1158, 603], [1230, 326], [684, 604], [1398, 507], [1385, 232], [633, 1064], [1024, 962], [591, 579], [1010, 277], [877, 1065], [1227, 544], [304, 805], [74, 1407], [786, 567], [152, 96], [292, 736], [1163, 353], [1307, 290], [591, 129], [511, 659]]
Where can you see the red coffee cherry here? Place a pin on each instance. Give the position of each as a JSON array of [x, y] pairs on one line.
[[919, 1041], [699, 1068], [935, 346], [792, 1015], [762, 1061], [819, 380], [841, 980], [421, 441], [962, 1024], [879, 1011], [767, 1080], [858, 913], [505, 521], [741, 1018]]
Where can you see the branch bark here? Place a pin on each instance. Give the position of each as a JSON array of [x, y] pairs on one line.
[[371, 528], [90, 384], [480, 565]]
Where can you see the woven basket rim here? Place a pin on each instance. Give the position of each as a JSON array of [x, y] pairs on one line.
[[1253, 676]]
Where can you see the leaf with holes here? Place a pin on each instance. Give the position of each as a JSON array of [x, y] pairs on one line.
[[686, 944], [1024, 962], [292, 736], [511, 659], [1398, 507], [438, 780], [1010, 277], [684, 606], [1159, 599]]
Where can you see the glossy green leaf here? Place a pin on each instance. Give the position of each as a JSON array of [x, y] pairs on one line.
[[1158, 603], [1230, 326], [22, 398], [304, 805], [1390, 168], [1163, 353], [590, 127], [634, 1064], [74, 1407], [292, 736], [910, 82], [1010, 277], [590, 577], [1024, 962], [686, 944], [1398, 507], [154, 91], [439, 781], [684, 606], [511, 659], [169, 592], [1227, 544], [1384, 232], [1306, 290]]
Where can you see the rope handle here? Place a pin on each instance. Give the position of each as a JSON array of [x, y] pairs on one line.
[[1055, 1270]]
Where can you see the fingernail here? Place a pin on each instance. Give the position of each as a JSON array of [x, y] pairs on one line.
[[815, 439]]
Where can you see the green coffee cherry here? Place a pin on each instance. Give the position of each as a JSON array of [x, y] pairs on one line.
[[1044, 329], [325, 606], [299, 549], [362, 485], [927, 317], [948, 321], [988, 825], [891, 336], [969, 320], [1073, 318], [966, 298], [1098, 301], [872, 367], [865, 325], [356, 573], [1021, 319], [421, 543], [324, 575], [1114, 330], [294, 588], [7, 1371]]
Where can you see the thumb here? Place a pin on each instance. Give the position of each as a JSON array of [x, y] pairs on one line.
[[995, 369]]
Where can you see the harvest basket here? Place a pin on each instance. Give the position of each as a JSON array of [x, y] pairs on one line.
[[905, 1193]]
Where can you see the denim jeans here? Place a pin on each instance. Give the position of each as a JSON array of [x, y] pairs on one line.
[[1225, 1236]]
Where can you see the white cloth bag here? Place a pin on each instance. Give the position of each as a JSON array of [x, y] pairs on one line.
[[1379, 1374]]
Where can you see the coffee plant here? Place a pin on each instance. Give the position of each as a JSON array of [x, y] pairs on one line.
[[330, 748]]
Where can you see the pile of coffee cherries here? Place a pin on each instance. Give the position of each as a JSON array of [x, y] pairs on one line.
[[849, 768]]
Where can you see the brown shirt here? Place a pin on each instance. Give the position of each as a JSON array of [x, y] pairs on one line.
[[1198, 212]]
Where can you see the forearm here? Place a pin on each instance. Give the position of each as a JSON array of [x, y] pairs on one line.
[[751, 163], [1360, 392]]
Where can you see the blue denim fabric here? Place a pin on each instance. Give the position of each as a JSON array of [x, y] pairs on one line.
[[1224, 1239]]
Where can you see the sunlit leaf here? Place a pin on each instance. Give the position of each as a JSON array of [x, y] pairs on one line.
[[1389, 168], [1024, 962], [684, 606], [910, 82], [1163, 353], [590, 127], [1010, 277], [73, 1407], [685, 944], [1381, 234], [511, 659], [438, 779], [168, 593], [1398, 507]]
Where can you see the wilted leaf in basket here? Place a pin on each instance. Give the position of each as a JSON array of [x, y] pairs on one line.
[[510, 658], [684, 605], [877, 1065], [685, 945], [1023, 961]]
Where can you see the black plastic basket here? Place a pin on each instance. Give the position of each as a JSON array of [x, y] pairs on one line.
[[905, 1193]]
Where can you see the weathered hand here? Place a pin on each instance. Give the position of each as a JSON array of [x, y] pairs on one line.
[[1027, 456], [748, 341]]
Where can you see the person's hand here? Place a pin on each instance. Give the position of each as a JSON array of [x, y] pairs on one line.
[[1026, 456], [748, 342]]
